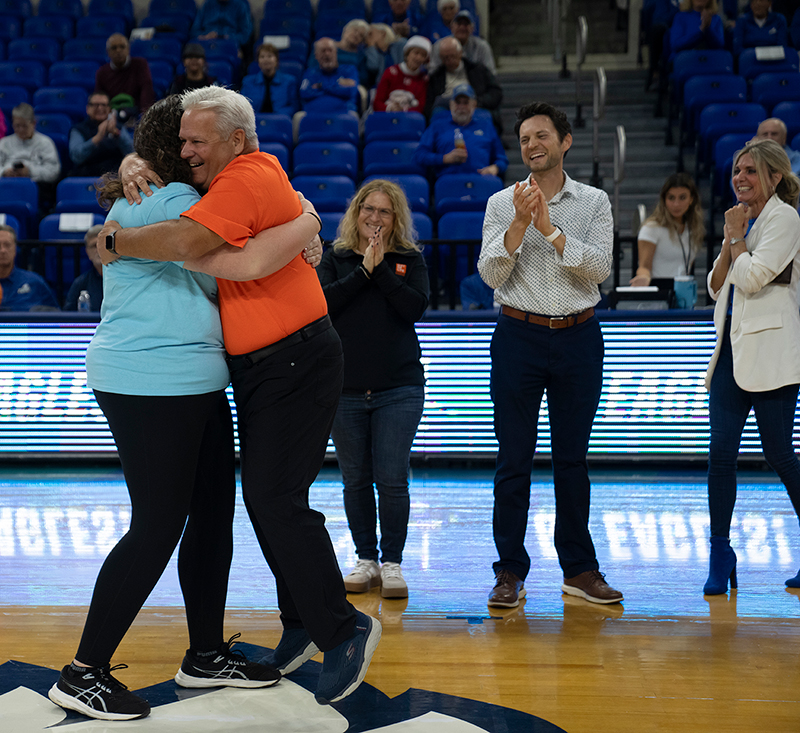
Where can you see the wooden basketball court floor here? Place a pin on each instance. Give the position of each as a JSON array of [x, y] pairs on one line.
[[667, 659]]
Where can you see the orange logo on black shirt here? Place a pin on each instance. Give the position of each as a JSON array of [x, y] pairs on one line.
[[400, 269]]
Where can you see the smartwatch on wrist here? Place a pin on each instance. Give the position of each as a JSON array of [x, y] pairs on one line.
[[111, 241]]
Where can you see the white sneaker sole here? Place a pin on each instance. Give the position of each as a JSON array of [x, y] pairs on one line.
[[571, 590], [186, 680], [296, 662], [63, 700], [361, 586]]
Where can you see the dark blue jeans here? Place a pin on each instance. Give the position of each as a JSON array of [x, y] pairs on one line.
[[528, 359], [728, 408], [373, 433]]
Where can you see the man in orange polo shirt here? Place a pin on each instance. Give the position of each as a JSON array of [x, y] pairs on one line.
[[286, 370]]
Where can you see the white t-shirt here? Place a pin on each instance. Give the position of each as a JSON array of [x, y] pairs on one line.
[[673, 256]]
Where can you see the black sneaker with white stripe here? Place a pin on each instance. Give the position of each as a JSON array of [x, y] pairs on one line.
[[225, 668], [94, 692]]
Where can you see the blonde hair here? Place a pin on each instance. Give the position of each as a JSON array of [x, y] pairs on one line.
[[770, 158], [403, 236], [389, 35], [693, 218]]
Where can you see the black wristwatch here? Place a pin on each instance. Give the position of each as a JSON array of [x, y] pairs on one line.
[[110, 242]]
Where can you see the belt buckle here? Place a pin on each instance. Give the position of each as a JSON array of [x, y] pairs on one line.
[[558, 318]]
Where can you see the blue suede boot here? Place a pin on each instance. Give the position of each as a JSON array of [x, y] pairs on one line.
[[722, 566]]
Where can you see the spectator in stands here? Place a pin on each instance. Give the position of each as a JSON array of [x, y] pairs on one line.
[[404, 86], [403, 20], [473, 47], [22, 290], [775, 129], [456, 70], [331, 87], [125, 75], [92, 280], [671, 237], [28, 153], [224, 19], [376, 286], [383, 49], [350, 49], [3, 128], [657, 17], [477, 149], [437, 25], [759, 27], [270, 90], [97, 145], [697, 26], [195, 72]]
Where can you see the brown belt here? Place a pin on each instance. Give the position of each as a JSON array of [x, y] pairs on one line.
[[550, 322]]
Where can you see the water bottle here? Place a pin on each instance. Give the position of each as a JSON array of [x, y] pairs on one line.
[[458, 139], [84, 301]]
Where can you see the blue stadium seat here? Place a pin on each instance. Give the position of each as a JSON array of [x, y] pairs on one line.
[[219, 48], [459, 225], [55, 227], [700, 91], [223, 71], [789, 112], [158, 49], [298, 50], [57, 126], [70, 101], [184, 7], [179, 23], [44, 50], [394, 126], [326, 159], [274, 128], [464, 192], [354, 8], [18, 8], [386, 156], [112, 7], [750, 67], [10, 27], [327, 193], [20, 198], [59, 27], [91, 48], [330, 25], [295, 26], [330, 224], [280, 151], [415, 187], [292, 67], [27, 74], [289, 7], [688, 64], [72, 8], [78, 194], [73, 73], [162, 72], [322, 127], [11, 221], [717, 120], [773, 87], [2, 50], [11, 96], [423, 225]]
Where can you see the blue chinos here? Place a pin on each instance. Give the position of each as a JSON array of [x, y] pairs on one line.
[[527, 360]]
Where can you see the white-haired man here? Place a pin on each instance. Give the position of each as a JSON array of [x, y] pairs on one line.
[[286, 368]]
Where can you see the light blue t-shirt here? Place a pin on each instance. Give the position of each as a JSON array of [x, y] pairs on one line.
[[159, 332]]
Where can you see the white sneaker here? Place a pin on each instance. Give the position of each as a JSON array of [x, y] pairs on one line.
[[392, 583], [365, 575]]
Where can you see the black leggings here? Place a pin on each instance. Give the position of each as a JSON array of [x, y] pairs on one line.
[[177, 455]]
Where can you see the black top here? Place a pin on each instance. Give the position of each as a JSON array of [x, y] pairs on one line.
[[375, 316]]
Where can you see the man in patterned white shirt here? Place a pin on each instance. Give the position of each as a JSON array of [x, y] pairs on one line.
[[547, 244]]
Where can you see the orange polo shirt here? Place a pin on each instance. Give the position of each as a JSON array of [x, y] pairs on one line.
[[251, 194]]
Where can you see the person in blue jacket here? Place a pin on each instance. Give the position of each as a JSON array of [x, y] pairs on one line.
[[477, 150], [224, 19], [759, 27], [402, 19], [333, 87], [697, 26], [270, 90]]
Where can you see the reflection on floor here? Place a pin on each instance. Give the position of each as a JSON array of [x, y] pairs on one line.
[[667, 659]]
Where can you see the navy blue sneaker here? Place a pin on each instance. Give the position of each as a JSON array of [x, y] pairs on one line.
[[226, 668], [95, 693], [294, 649], [345, 666]]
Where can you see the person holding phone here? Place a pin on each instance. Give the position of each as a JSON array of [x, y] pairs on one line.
[[376, 284]]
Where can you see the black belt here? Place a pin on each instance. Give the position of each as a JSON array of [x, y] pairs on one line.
[[304, 334], [549, 321]]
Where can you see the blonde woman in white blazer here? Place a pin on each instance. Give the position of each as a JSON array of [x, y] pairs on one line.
[[756, 362]]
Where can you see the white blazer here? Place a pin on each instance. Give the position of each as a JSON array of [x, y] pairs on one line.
[[765, 321]]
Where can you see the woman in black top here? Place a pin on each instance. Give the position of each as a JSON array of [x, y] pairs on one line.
[[376, 285]]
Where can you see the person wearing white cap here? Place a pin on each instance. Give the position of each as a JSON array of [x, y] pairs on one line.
[[404, 86]]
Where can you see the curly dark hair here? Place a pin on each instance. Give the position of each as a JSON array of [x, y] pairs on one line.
[[156, 141]]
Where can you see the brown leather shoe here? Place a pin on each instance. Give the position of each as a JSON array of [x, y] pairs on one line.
[[592, 586], [507, 590]]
